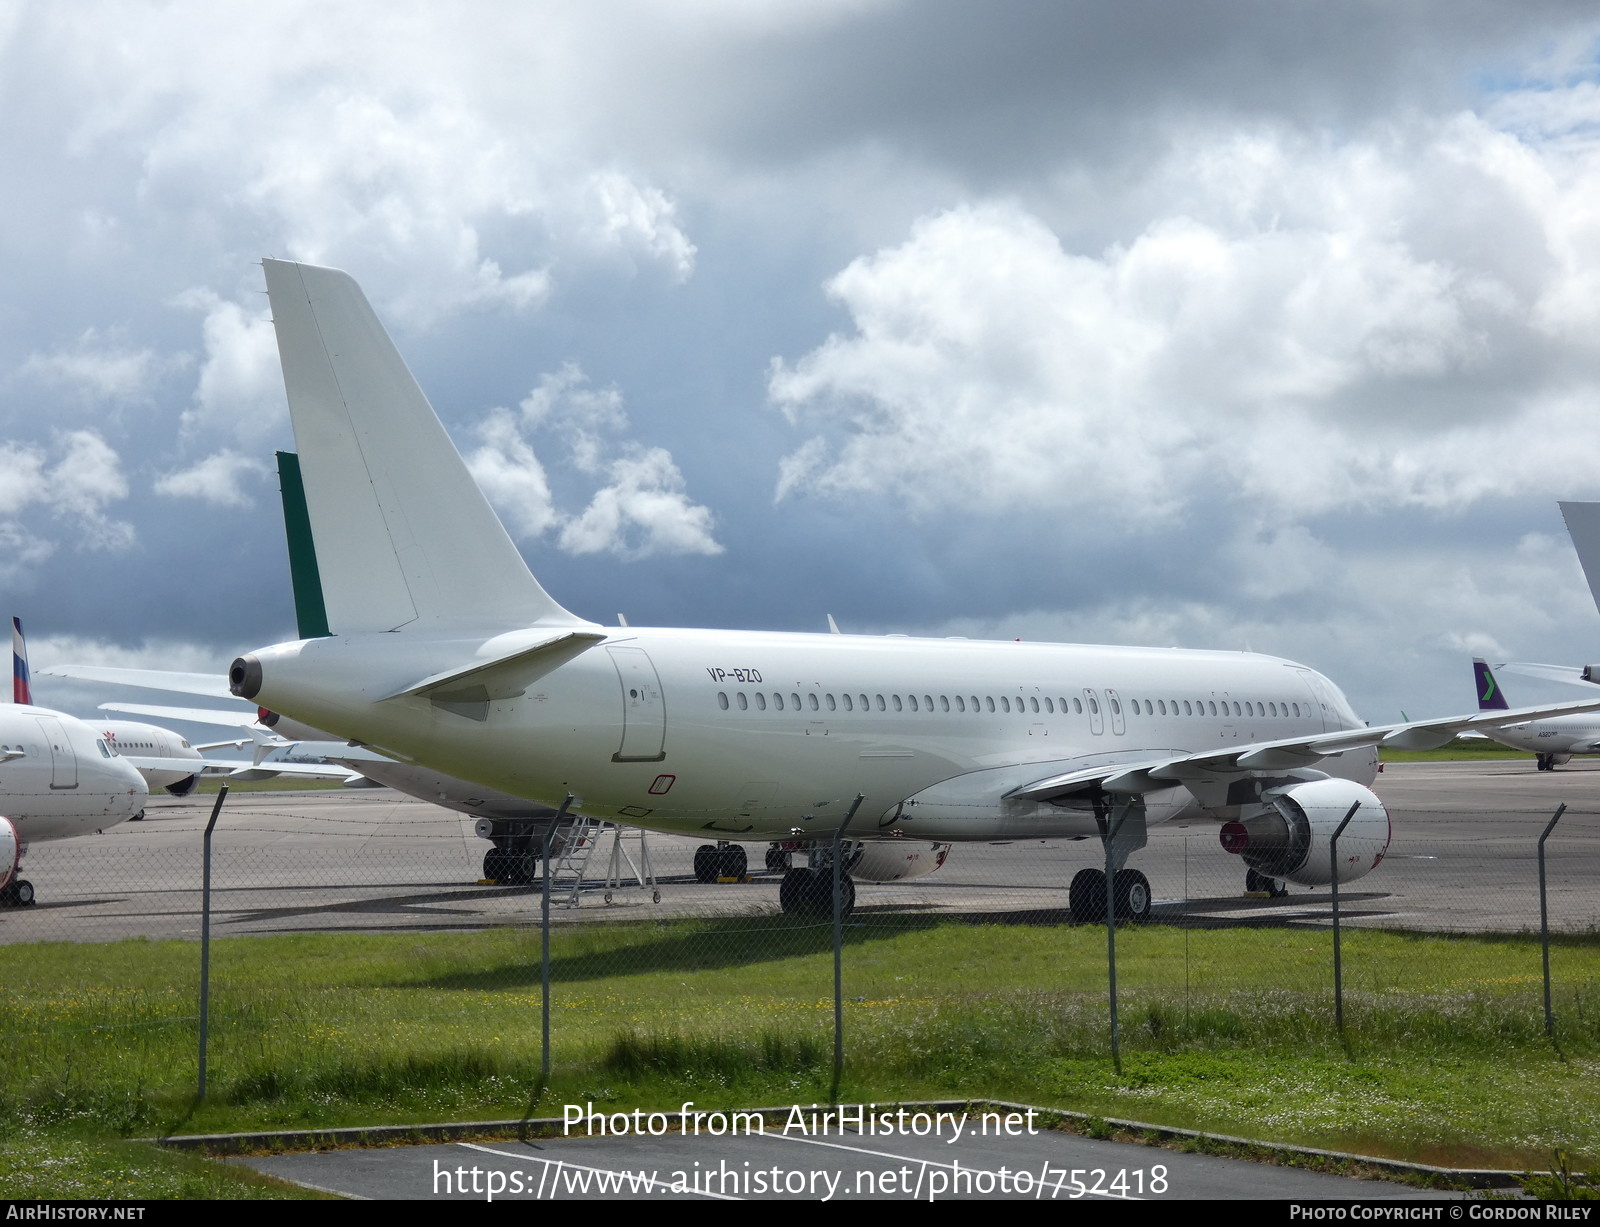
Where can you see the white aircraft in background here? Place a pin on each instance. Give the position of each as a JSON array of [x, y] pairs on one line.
[[513, 826], [1552, 740], [58, 778], [444, 650]]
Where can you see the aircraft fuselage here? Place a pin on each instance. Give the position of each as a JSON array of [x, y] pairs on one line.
[[755, 735]]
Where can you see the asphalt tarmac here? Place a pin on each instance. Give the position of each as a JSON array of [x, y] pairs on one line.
[[851, 1165], [1462, 859]]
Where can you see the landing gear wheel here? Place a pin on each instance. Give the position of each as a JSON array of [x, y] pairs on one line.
[[706, 863], [732, 862], [1132, 890], [793, 891], [1541, 762], [1260, 884], [23, 892], [847, 894], [521, 864], [1086, 897], [495, 868], [778, 861]]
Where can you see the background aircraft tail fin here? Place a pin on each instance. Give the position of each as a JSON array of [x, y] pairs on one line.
[[1489, 696], [403, 533], [1583, 526], [21, 690]]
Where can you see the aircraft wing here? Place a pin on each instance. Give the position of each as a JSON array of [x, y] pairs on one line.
[[156, 762], [1574, 674], [241, 770], [214, 686], [1283, 755], [194, 715]]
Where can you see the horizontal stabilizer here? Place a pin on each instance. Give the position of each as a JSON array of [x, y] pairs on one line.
[[208, 685], [505, 677], [191, 715]]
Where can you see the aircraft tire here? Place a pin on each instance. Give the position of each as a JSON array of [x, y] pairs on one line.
[[494, 865], [1086, 897], [778, 861], [792, 891], [706, 863], [1133, 899], [21, 892], [733, 862]]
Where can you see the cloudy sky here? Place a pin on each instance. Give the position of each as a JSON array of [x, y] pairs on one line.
[[1225, 324]]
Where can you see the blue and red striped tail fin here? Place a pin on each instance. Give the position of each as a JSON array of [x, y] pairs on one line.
[[21, 692], [1489, 696]]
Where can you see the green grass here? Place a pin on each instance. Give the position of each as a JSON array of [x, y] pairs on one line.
[[1456, 751], [1444, 1058]]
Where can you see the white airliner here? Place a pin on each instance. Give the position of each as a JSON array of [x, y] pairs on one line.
[[58, 778], [1552, 740], [444, 650]]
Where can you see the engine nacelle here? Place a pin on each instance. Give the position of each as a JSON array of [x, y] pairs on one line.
[[10, 852], [895, 860], [1291, 840], [183, 787]]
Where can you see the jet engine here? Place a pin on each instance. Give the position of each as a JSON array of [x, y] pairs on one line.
[[1291, 839], [183, 787], [10, 852], [895, 861]]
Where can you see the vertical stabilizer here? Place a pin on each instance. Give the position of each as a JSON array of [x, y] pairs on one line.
[[403, 534], [1489, 696], [1583, 526], [21, 690]]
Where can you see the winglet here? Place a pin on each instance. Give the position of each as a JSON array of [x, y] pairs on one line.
[[1489, 696], [21, 691]]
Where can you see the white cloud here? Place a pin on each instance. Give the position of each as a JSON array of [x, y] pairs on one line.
[[1312, 333], [643, 510], [99, 370], [73, 482], [221, 478], [240, 390]]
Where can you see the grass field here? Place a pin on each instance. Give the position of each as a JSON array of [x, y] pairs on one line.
[[1456, 751], [1444, 1058]]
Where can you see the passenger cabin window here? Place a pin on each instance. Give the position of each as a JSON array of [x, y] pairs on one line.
[[912, 699], [988, 702], [722, 699], [927, 701], [944, 702], [743, 704], [812, 699], [848, 706], [881, 705], [961, 704], [898, 705], [831, 705]]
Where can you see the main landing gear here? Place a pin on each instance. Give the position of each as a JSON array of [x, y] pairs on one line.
[[1545, 762], [713, 862], [1130, 894], [809, 892], [1122, 833], [1260, 884], [512, 862], [18, 893]]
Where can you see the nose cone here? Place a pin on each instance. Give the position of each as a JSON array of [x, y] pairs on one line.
[[244, 676]]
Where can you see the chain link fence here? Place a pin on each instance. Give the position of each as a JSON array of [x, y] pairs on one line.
[[383, 926]]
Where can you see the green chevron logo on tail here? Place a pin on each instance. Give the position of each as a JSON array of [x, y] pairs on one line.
[[1489, 696]]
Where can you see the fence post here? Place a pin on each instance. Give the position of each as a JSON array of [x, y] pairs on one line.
[[1113, 822], [838, 945], [1544, 920], [544, 941], [1338, 965], [205, 939]]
